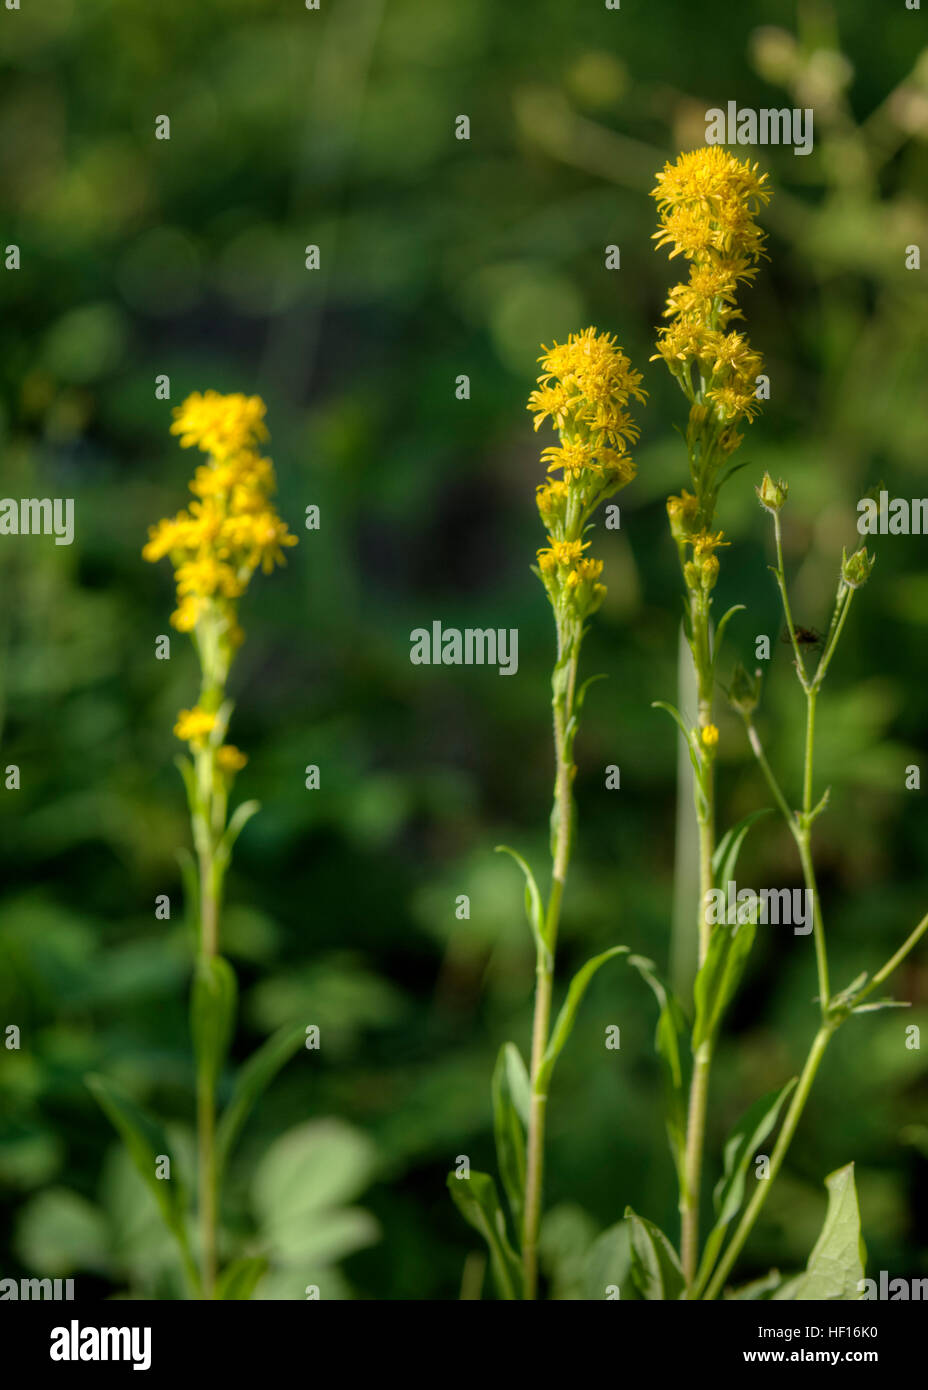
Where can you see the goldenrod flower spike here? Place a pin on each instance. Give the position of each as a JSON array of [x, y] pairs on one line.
[[216, 544]]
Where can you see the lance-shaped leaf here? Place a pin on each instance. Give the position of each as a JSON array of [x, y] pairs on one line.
[[511, 1101], [835, 1270], [147, 1145], [212, 1015], [729, 847], [565, 1020], [534, 909], [671, 1041], [252, 1080], [237, 822], [719, 976], [740, 1147], [240, 1279], [476, 1199], [655, 1266]]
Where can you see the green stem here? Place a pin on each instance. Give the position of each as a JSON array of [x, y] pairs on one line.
[[207, 1173], [784, 1139], [699, 1085], [564, 688]]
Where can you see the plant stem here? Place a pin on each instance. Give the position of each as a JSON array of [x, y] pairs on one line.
[[564, 684], [784, 1139], [210, 894], [702, 1063]]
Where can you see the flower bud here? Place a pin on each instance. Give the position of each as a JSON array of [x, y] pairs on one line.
[[857, 568], [772, 494]]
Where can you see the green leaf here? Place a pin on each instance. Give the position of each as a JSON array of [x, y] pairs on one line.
[[670, 1041], [253, 1078], [565, 1020], [189, 876], [212, 1015], [655, 1267], [314, 1167], [722, 625], [146, 1142], [677, 718], [762, 1288], [511, 1100], [475, 1198], [239, 819], [534, 909], [729, 847], [240, 1279], [836, 1266], [740, 1147], [719, 976], [608, 1264]]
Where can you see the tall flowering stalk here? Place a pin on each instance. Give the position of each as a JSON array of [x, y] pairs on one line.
[[708, 203], [226, 534], [584, 389]]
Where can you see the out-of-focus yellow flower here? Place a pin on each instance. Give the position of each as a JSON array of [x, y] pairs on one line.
[[710, 736], [194, 725], [231, 759], [231, 529], [220, 425]]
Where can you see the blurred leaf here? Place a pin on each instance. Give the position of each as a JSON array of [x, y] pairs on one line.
[[59, 1232], [476, 1199], [836, 1266]]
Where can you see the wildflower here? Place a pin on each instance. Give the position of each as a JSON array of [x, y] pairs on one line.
[[710, 736], [194, 725], [584, 389], [231, 528], [230, 759]]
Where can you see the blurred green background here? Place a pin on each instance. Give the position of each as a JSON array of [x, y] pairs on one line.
[[438, 257]]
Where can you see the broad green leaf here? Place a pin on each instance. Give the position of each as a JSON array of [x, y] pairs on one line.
[[511, 1101], [240, 1279], [212, 1015], [655, 1266], [729, 847], [476, 1199], [719, 976], [534, 910], [565, 1020], [837, 1263], [59, 1231], [740, 1147], [146, 1142], [320, 1238], [314, 1167], [253, 1078], [608, 1265], [671, 1044]]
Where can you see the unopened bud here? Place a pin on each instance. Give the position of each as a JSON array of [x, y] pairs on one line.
[[772, 494], [857, 568]]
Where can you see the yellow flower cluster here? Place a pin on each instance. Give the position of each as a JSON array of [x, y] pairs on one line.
[[584, 389], [708, 204], [232, 528]]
